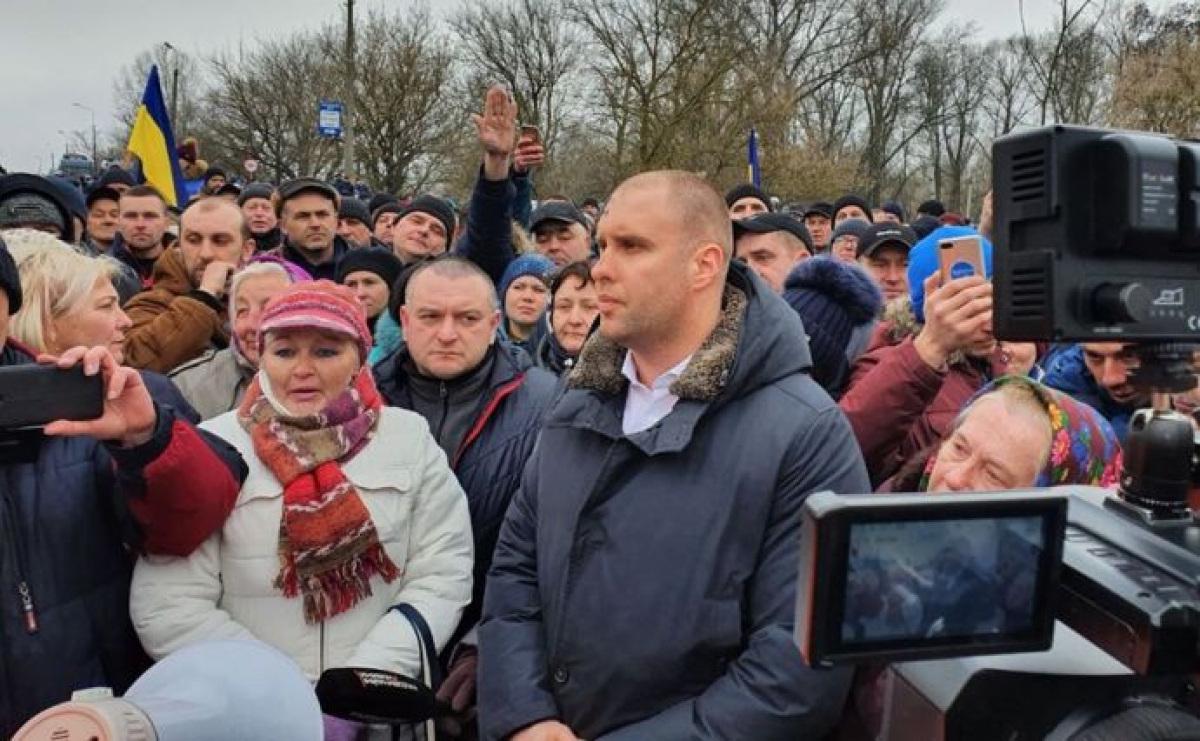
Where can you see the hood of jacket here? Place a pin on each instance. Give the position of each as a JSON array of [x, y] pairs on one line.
[[758, 341]]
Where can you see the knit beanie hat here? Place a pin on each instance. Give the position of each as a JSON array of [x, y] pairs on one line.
[[932, 207], [72, 196], [32, 200], [381, 199], [850, 227], [746, 190], [924, 225], [353, 208], [528, 264], [833, 298], [212, 172], [435, 207], [894, 208], [380, 262], [320, 305], [852, 200], [256, 190], [115, 176], [923, 262], [10, 279]]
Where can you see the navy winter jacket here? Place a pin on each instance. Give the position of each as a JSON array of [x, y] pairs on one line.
[[489, 463], [65, 524], [644, 585]]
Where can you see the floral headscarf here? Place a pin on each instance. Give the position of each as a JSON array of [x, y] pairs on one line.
[[1083, 447]]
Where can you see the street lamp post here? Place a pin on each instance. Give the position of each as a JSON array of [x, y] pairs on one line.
[[95, 149], [174, 103]]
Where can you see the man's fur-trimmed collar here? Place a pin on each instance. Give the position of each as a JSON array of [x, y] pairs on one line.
[[600, 362]]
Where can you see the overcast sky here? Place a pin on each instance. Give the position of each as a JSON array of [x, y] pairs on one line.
[[58, 52]]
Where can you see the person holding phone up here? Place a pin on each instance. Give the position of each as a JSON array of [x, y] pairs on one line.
[[76, 496], [930, 354]]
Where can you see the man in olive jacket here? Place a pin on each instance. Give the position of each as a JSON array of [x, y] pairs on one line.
[[645, 579]]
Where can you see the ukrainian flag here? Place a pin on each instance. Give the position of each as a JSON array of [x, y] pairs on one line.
[[154, 144]]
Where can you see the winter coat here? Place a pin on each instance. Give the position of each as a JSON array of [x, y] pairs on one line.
[[226, 588], [66, 519], [489, 463], [324, 271], [1068, 373], [173, 322], [213, 383], [142, 271], [898, 405], [644, 586]]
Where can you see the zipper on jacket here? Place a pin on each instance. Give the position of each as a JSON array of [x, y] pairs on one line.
[[17, 538], [445, 394]]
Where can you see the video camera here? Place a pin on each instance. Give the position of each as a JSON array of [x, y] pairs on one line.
[[1069, 614]]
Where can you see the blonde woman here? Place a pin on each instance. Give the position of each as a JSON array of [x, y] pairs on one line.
[[70, 301]]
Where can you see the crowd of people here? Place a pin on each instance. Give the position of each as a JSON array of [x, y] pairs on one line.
[[574, 438]]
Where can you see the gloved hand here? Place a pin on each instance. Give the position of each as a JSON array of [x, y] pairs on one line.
[[337, 729], [458, 689]]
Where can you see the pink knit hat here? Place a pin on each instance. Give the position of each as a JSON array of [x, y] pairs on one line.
[[321, 305]]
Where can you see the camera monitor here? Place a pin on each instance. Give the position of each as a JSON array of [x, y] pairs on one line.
[[905, 577]]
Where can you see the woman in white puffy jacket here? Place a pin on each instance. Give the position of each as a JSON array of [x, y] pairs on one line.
[[349, 509]]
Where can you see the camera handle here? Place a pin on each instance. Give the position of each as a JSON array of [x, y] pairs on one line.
[[1160, 446]]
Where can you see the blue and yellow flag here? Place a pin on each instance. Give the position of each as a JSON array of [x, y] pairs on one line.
[[154, 144], [753, 168]]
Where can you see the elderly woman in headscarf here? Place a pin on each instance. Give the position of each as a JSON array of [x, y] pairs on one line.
[[349, 510], [1014, 434]]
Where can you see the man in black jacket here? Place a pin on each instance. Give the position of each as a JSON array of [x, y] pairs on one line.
[[483, 399], [308, 217], [644, 583]]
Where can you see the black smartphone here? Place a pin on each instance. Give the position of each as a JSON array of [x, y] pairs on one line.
[[35, 395]]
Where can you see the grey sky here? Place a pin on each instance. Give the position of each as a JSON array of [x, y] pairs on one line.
[[58, 52]]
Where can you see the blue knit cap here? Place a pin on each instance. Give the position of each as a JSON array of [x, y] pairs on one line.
[[923, 262], [528, 264]]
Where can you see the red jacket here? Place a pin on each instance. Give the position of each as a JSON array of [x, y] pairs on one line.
[[898, 405]]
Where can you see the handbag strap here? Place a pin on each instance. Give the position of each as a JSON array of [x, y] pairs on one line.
[[429, 655]]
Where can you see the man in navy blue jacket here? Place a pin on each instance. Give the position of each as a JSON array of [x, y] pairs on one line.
[[644, 583]]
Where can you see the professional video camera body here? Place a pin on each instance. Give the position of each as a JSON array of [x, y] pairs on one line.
[[1097, 239]]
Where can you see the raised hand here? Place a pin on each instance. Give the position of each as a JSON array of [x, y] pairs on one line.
[[497, 126], [129, 414]]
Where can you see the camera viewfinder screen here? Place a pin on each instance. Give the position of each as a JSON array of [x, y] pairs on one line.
[[941, 579]]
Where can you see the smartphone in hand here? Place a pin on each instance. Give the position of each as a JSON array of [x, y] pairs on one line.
[[35, 395], [961, 257], [531, 132]]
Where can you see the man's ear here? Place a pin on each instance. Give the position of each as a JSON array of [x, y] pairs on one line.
[[709, 264]]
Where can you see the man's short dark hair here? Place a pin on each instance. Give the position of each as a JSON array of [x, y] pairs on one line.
[[145, 191], [451, 266]]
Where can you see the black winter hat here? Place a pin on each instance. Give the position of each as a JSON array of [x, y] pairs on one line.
[[293, 188], [435, 207], [353, 208], [256, 190], [852, 200], [380, 262], [895, 209], [924, 225], [381, 199], [28, 200], [885, 233], [212, 172], [747, 190], [833, 298], [72, 196], [115, 176], [10, 279], [932, 207]]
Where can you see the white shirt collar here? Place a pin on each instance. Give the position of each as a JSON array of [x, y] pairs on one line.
[[629, 370]]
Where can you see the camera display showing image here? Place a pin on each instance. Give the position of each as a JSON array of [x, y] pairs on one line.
[[911, 580]]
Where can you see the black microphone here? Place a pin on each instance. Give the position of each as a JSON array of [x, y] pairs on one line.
[[377, 696]]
